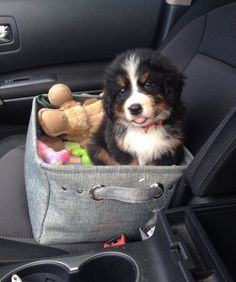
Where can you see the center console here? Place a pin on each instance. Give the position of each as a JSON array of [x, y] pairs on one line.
[[189, 244]]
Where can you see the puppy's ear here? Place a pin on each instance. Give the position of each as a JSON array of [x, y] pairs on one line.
[[107, 103], [172, 80], [173, 87]]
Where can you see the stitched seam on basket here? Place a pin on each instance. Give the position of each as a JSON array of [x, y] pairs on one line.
[[46, 211], [219, 162], [123, 170]]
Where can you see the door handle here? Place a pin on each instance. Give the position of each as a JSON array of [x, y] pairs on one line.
[[27, 80]]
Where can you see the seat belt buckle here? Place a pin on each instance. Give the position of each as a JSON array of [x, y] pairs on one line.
[[117, 241]]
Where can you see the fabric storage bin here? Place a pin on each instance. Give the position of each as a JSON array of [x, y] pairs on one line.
[[83, 204]]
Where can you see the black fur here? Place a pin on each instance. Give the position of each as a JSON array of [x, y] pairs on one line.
[[166, 81]]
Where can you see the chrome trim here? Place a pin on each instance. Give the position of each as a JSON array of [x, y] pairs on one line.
[[179, 2]]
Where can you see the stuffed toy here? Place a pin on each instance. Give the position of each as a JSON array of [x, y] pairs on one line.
[[52, 142], [50, 156], [56, 152], [77, 151], [73, 120]]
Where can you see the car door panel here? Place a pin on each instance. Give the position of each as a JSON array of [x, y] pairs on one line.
[[79, 76], [71, 41], [53, 32]]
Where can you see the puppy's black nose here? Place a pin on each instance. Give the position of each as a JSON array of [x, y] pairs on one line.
[[135, 109]]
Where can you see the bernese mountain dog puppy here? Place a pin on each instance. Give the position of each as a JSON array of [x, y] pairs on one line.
[[144, 115]]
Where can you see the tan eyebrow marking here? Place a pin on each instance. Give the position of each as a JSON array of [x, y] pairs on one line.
[[120, 81], [143, 77]]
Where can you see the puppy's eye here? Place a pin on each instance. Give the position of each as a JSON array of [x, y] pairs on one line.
[[148, 84], [121, 91]]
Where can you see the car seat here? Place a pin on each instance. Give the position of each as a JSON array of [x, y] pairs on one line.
[[203, 45]]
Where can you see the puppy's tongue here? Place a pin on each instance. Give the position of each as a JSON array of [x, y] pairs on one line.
[[140, 120]]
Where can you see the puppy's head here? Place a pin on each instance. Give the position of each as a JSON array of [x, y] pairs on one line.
[[141, 87]]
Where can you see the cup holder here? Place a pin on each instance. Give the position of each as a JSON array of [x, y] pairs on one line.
[[101, 268], [107, 268], [39, 273]]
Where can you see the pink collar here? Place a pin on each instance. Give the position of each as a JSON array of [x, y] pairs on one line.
[[151, 124]]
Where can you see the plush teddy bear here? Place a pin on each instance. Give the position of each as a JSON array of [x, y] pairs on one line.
[[73, 120]]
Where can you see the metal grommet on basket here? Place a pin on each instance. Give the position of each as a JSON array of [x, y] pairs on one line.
[[64, 188], [161, 189], [91, 193], [16, 278]]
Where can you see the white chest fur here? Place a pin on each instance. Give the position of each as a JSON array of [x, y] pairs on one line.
[[148, 146]]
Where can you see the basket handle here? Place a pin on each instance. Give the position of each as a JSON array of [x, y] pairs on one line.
[[127, 194]]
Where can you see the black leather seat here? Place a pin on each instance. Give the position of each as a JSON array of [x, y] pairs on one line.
[[203, 46], [205, 50]]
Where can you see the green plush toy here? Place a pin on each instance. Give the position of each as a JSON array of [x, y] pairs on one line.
[[71, 145], [77, 151]]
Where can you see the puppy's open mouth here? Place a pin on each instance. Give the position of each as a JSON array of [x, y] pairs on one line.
[[140, 120]]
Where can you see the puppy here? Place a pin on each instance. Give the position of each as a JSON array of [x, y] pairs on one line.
[[143, 123]]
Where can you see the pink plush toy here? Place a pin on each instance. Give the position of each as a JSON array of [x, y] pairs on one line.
[[50, 156]]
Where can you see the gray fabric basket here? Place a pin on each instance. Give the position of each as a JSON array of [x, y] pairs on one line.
[[80, 204]]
